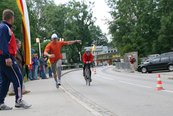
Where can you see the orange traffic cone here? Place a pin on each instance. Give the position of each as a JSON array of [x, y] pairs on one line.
[[159, 83]]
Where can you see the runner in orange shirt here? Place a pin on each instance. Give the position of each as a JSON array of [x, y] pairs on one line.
[[53, 51]]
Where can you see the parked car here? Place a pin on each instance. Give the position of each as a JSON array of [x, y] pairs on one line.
[[150, 57], [161, 62], [153, 56]]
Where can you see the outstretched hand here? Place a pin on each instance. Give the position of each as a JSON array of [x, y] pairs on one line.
[[78, 41]]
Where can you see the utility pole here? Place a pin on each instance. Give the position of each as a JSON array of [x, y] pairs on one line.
[[39, 46]]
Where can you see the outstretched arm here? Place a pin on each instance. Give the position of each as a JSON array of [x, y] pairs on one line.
[[74, 41]]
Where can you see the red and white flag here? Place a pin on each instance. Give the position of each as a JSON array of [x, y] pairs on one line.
[[26, 30]]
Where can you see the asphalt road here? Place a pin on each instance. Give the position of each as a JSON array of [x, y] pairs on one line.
[[112, 93], [122, 93]]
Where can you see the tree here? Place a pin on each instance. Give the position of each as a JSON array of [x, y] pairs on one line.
[[70, 21], [165, 40], [11, 4], [98, 38], [141, 25], [36, 8], [78, 26]]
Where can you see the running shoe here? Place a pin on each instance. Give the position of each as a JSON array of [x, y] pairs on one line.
[[22, 104], [5, 107]]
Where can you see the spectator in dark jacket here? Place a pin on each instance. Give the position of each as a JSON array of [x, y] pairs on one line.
[[9, 69]]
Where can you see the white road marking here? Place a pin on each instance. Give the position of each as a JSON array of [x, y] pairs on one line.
[[82, 103], [135, 84], [107, 78], [169, 91], [101, 76]]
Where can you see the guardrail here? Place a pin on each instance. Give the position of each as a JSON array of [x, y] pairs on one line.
[[65, 67]]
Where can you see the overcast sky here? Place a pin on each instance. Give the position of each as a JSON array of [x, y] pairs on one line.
[[100, 11]]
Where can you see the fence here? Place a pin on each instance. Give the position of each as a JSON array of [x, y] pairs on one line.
[[123, 65]]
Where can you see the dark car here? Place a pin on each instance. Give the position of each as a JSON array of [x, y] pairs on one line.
[[162, 62]]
